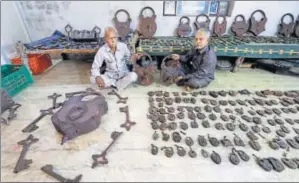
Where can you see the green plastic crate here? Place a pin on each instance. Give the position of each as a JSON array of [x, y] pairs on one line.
[[15, 78]]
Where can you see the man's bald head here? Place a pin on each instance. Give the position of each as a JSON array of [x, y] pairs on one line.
[[109, 30], [111, 37]]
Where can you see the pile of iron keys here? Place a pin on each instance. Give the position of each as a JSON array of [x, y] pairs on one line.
[[257, 120]]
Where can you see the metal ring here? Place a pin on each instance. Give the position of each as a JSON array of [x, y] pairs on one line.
[[224, 18], [185, 17], [287, 14], [147, 7], [242, 16], [261, 11], [123, 10], [203, 15]]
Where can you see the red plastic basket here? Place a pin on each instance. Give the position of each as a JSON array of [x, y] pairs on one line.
[[38, 63]]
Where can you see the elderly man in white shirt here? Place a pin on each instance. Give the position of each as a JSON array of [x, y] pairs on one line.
[[116, 55]]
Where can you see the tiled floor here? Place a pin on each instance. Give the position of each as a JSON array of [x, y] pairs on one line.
[[130, 158]]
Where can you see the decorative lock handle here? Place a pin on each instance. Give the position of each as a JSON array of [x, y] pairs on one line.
[[68, 28], [290, 15], [261, 11], [242, 17], [224, 18], [203, 15], [122, 10], [147, 7], [184, 17]]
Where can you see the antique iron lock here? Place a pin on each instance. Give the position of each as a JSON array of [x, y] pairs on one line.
[[285, 29], [219, 28], [239, 27], [123, 28], [184, 29], [257, 27], [296, 31], [205, 25], [144, 72], [148, 25]]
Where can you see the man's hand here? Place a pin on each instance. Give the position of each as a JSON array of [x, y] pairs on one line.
[[100, 82], [136, 57], [175, 56], [178, 79]]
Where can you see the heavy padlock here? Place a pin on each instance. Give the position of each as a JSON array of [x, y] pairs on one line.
[[285, 29], [184, 29], [147, 25], [219, 28], [257, 27], [204, 25], [97, 30], [144, 72], [239, 27], [68, 29], [123, 28], [296, 29]]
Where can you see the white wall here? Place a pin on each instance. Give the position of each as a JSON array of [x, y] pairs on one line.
[[44, 17], [12, 29]]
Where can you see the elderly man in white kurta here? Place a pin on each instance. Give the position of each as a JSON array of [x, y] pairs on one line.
[[117, 56]]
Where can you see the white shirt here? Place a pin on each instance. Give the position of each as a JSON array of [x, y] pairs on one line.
[[116, 64]]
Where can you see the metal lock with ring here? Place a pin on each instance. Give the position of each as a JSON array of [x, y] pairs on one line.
[[123, 28], [184, 29], [148, 25]]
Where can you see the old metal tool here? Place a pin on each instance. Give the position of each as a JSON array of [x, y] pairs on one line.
[[54, 98], [22, 163], [128, 122], [120, 99], [147, 25], [32, 126], [6, 100], [239, 27], [123, 28], [184, 29], [203, 24], [100, 159], [219, 28], [88, 90], [49, 169], [257, 27], [12, 111]]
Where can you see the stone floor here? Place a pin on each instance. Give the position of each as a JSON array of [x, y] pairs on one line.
[[130, 158]]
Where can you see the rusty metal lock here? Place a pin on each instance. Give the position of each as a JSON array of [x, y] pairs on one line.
[[123, 28], [285, 29], [257, 27], [296, 28], [144, 73], [205, 25], [97, 30], [148, 25], [219, 28], [239, 27], [184, 29]]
